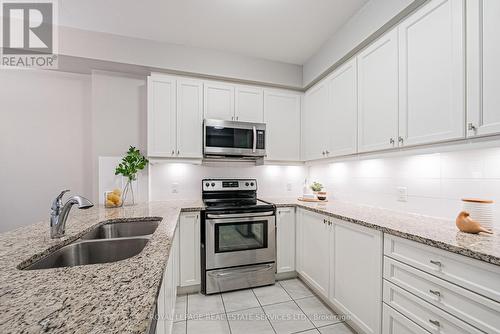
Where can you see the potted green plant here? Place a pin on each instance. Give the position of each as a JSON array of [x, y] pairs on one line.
[[316, 187], [131, 164]]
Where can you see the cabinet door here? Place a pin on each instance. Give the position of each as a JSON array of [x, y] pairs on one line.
[[356, 274], [190, 249], [189, 118], [218, 101], [249, 104], [483, 57], [314, 251], [342, 112], [285, 240], [431, 62], [161, 116], [396, 323], [378, 94], [315, 120], [282, 118]]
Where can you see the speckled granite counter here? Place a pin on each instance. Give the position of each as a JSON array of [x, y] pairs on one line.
[[436, 232], [117, 297]]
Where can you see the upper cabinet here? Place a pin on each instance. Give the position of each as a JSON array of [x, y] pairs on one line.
[[431, 74], [342, 112], [378, 94], [483, 66], [282, 118], [249, 104], [189, 118], [161, 116], [219, 101], [174, 117], [233, 102], [315, 122]]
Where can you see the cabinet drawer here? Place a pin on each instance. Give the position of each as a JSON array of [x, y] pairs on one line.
[[480, 277], [472, 308], [396, 323], [424, 314]]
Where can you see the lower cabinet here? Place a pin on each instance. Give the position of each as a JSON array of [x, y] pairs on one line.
[[285, 240], [343, 262], [168, 291], [189, 226], [356, 274], [314, 250]]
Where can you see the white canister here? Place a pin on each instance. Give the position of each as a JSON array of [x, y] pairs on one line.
[[480, 211]]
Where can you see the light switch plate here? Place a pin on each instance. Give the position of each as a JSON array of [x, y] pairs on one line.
[[402, 194]]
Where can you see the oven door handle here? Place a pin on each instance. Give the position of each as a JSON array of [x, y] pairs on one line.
[[240, 215], [254, 269], [254, 148]]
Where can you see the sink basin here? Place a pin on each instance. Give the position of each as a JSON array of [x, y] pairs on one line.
[[91, 252], [122, 230]]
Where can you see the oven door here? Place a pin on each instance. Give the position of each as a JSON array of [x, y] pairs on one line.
[[223, 138], [240, 239]]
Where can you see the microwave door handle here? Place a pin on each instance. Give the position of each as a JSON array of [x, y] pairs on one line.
[[254, 139]]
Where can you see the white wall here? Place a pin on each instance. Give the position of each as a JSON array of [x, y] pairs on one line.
[[272, 181], [102, 46], [44, 142], [436, 182], [371, 17]]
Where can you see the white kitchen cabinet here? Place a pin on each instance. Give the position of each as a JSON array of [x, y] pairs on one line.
[[356, 274], [189, 118], [218, 101], [396, 323], [342, 112], [190, 269], [285, 240], [161, 116], [249, 104], [483, 66], [174, 117], [168, 291], [282, 118], [378, 89], [315, 122], [431, 74], [314, 250]]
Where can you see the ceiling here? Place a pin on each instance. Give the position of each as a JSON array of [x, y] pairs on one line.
[[289, 31]]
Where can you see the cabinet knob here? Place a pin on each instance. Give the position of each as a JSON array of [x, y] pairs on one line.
[[471, 127], [401, 140], [327, 152], [323, 153], [436, 263], [392, 141], [435, 293], [173, 152], [178, 152]]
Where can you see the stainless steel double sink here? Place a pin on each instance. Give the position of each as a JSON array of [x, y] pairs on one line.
[[106, 243]]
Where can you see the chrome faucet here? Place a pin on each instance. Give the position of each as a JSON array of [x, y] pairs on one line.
[[60, 212]]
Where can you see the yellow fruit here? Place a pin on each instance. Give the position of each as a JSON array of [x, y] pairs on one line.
[[113, 198], [110, 203], [117, 192]]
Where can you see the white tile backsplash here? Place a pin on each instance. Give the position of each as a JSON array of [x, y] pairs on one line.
[[436, 182]]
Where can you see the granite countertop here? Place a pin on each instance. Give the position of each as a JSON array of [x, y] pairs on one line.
[[118, 297], [432, 231]]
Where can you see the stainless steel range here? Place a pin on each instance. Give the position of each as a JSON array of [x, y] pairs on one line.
[[238, 236]]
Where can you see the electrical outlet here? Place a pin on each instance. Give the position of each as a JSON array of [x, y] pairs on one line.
[[288, 187], [402, 194], [175, 188]]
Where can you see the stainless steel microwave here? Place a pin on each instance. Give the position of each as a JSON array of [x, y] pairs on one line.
[[234, 139]]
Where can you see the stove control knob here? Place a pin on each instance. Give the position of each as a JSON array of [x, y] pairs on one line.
[[251, 184], [247, 184], [207, 184], [213, 184]]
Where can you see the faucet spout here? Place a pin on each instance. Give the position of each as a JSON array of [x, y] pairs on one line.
[[60, 213]]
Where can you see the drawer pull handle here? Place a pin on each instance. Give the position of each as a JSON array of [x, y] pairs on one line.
[[435, 292], [437, 263], [435, 322]]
